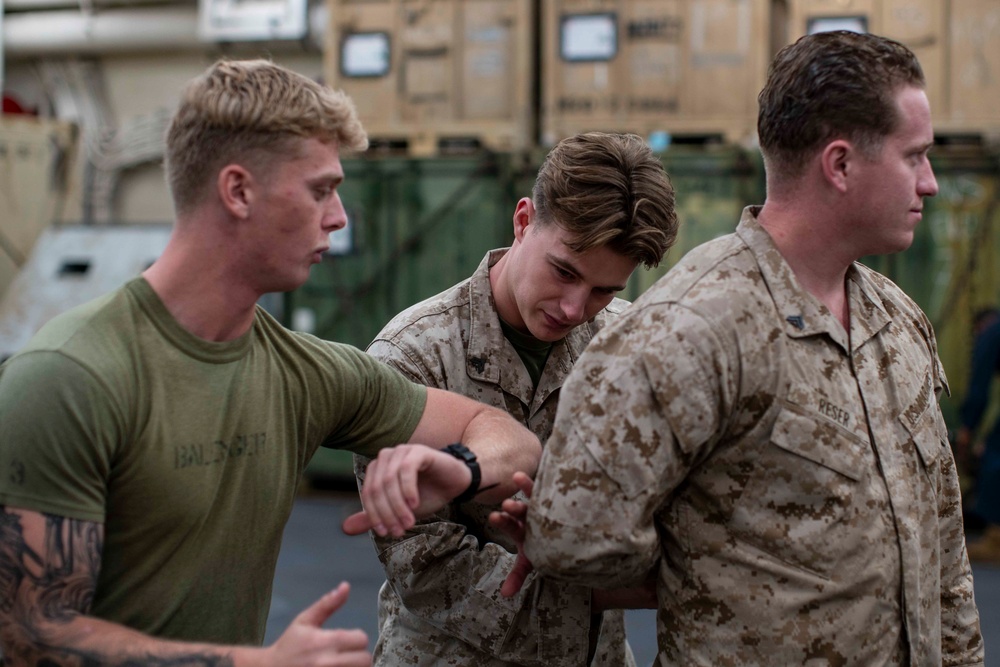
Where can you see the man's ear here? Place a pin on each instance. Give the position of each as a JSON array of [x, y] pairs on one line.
[[524, 215], [237, 191], [837, 162]]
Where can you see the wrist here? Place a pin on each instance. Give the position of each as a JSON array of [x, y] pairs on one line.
[[250, 656]]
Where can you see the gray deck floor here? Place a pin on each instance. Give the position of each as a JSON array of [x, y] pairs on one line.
[[316, 555]]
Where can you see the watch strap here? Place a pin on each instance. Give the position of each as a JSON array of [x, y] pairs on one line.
[[466, 456]]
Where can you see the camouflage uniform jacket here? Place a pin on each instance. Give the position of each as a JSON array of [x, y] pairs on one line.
[[441, 603], [795, 481]]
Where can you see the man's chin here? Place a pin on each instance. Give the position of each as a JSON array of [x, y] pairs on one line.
[[550, 334]]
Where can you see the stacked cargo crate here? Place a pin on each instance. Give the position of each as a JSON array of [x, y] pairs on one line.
[[666, 70], [955, 40], [429, 75], [511, 75]]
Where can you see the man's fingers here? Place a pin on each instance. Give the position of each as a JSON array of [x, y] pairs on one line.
[[349, 640], [373, 482], [508, 524], [408, 479], [383, 495], [357, 524], [511, 521], [515, 580], [515, 509], [354, 659], [344, 648], [316, 614], [524, 483]]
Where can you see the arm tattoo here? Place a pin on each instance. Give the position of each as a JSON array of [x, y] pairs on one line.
[[41, 591], [68, 581]]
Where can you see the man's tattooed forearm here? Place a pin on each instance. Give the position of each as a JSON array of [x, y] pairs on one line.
[[50, 656], [190, 660], [72, 563], [58, 583], [16, 559], [41, 590]]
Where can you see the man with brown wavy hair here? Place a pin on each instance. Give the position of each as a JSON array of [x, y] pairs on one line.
[[152, 440], [508, 336]]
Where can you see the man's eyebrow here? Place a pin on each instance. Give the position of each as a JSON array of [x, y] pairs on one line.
[[568, 266], [332, 179]]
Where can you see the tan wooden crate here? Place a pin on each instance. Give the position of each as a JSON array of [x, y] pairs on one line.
[[428, 72], [974, 68], [680, 67], [919, 24]]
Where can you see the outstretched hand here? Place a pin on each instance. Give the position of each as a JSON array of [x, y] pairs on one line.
[[403, 484], [512, 520], [307, 644]]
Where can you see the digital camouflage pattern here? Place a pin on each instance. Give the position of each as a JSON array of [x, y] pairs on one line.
[[441, 604], [795, 483]]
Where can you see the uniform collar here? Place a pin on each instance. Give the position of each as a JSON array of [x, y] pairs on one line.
[[491, 357], [803, 315], [868, 312]]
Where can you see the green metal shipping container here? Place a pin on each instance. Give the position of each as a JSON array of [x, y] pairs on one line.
[[952, 270], [416, 227]]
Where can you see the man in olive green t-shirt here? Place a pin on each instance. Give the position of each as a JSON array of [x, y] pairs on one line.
[[151, 441]]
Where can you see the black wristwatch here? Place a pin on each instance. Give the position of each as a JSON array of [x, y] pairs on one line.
[[465, 455]]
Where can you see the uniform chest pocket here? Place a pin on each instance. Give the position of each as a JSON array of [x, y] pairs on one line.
[[798, 499], [927, 432]]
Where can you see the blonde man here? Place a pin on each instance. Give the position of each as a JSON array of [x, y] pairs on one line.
[[508, 336], [155, 437]]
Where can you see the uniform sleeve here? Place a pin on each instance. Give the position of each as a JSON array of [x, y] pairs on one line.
[[59, 433], [449, 576], [961, 636], [644, 404]]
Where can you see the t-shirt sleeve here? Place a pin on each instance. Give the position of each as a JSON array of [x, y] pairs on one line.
[[381, 408], [58, 435]]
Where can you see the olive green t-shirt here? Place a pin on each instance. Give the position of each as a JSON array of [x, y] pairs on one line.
[[533, 352], [188, 451]]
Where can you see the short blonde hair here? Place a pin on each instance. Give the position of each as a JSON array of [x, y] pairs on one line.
[[250, 110]]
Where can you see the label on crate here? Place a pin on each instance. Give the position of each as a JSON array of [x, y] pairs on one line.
[[589, 37], [613, 104]]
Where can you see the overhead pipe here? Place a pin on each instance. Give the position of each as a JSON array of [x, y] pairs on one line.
[[133, 29], [70, 32], [48, 5]]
